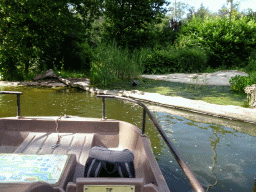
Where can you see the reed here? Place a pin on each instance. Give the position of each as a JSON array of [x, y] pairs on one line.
[[111, 63]]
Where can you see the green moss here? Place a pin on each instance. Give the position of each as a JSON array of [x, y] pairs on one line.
[[221, 95]]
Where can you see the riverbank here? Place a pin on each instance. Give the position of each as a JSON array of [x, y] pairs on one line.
[[219, 78], [198, 106], [54, 82]]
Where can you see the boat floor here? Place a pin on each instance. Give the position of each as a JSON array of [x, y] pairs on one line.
[[42, 142]]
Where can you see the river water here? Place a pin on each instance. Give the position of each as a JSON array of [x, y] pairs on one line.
[[220, 152]]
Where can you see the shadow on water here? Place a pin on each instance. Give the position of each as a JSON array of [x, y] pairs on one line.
[[220, 152]]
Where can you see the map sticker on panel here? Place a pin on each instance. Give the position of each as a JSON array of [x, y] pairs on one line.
[[16, 168]]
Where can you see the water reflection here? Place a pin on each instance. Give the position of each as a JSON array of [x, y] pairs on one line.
[[221, 153], [214, 143], [216, 129], [222, 158]]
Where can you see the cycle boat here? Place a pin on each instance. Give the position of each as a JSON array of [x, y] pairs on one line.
[[50, 153]]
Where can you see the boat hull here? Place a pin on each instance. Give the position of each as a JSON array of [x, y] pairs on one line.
[[76, 136]]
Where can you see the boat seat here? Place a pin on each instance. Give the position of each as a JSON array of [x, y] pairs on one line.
[[104, 162]]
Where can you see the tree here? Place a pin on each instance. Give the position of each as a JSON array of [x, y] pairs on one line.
[[127, 21], [32, 31], [180, 10], [191, 13], [87, 11], [202, 11], [249, 13], [224, 10]]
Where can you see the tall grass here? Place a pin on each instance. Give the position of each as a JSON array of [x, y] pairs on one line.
[[111, 63]]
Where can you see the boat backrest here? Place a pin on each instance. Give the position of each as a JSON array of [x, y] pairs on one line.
[[103, 162]]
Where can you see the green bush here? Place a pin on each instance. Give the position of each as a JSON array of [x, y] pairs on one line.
[[191, 59], [111, 64], [173, 60], [238, 83], [227, 43], [8, 67], [158, 61], [86, 56], [251, 62]]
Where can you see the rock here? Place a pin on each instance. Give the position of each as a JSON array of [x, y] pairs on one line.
[[92, 90], [106, 92], [126, 93], [137, 92], [29, 83], [47, 74], [100, 91], [135, 83], [112, 92], [251, 95]]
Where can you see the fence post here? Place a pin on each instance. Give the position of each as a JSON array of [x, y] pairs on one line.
[[144, 121]]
